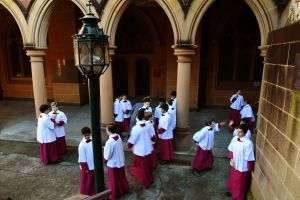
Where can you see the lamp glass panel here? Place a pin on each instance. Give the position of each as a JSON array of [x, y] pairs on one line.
[[85, 53], [97, 69], [76, 56], [98, 54]]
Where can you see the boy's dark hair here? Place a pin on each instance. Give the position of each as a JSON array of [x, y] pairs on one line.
[[148, 115], [44, 107], [246, 101], [243, 127], [112, 127], [245, 120], [209, 122], [170, 101], [234, 126], [146, 99], [85, 130], [165, 107], [162, 100], [141, 114], [173, 93]]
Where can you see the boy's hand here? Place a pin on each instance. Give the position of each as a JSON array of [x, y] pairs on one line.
[[222, 123], [232, 163]]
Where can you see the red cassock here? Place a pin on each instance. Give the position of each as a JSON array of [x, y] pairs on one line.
[[153, 158], [119, 126], [203, 159], [87, 180], [251, 124], [235, 116], [166, 151], [61, 145], [48, 152], [140, 169], [117, 182], [239, 182], [125, 125]]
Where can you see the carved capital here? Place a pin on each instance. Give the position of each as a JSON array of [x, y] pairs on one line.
[[263, 50], [184, 55], [112, 49], [36, 55]]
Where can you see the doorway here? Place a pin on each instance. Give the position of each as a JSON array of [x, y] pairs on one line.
[[142, 77], [120, 76]]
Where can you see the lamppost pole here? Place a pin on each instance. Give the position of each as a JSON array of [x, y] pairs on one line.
[[91, 53], [94, 86]]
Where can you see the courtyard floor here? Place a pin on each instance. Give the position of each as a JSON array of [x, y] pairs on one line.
[[23, 176]]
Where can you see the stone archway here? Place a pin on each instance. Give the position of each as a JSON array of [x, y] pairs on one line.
[[39, 19], [115, 10], [17, 14], [15, 71], [257, 6], [229, 56]]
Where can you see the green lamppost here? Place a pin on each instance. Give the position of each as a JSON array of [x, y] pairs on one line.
[[92, 59]]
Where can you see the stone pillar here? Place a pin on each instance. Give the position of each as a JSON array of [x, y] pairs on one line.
[[182, 135], [38, 78], [106, 93]]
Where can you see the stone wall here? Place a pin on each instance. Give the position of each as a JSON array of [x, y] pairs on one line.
[[277, 170]]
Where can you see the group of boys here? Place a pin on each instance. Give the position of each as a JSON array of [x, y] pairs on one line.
[[51, 133], [122, 114], [145, 132], [142, 140], [241, 150]]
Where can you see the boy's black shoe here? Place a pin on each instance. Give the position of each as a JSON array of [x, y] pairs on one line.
[[196, 173], [163, 162], [57, 162], [228, 194]]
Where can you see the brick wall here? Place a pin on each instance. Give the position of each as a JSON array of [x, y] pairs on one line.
[[277, 170]]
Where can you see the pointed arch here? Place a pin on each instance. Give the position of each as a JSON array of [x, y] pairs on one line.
[[17, 14], [40, 20], [115, 9], [258, 8]]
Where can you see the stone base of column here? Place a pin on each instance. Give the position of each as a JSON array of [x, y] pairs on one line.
[[182, 140]]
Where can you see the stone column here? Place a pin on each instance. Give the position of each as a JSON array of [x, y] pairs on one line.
[[106, 93], [38, 78], [182, 136]]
